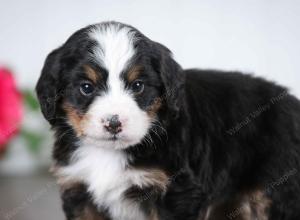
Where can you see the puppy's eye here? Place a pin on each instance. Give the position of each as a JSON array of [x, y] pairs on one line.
[[86, 88], [137, 87]]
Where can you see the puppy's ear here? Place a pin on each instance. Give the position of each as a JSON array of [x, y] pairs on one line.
[[172, 76], [47, 86]]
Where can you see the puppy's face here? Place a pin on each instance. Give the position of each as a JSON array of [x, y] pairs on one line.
[[106, 83]]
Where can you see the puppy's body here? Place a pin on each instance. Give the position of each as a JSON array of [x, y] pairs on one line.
[[178, 144]]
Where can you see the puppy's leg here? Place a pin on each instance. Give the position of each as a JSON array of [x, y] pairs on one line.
[[245, 206], [77, 204]]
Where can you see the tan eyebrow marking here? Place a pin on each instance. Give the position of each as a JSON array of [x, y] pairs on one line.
[[91, 73], [134, 73]]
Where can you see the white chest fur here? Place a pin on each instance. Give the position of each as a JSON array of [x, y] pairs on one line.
[[107, 176]]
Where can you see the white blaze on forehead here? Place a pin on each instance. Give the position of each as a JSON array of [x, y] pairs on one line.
[[114, 51]]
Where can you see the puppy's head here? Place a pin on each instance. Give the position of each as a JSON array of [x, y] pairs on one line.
[[109, 84]]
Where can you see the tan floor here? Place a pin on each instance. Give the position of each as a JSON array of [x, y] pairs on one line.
[[29, 198]]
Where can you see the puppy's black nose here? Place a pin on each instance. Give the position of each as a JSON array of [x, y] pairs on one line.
[[114, 124]]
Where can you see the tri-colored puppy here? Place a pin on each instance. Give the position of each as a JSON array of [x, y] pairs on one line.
[[139, 138]]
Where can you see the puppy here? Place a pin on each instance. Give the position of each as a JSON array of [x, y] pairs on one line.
[[139, 138]]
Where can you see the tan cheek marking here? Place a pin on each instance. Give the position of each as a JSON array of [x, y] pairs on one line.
[[91, 74], [134, 73], [153, 109], [76, 119]]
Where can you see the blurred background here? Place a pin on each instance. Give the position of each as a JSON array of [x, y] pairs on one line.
[[256, 36]]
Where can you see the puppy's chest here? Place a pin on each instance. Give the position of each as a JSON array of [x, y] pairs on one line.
[[108, 178]]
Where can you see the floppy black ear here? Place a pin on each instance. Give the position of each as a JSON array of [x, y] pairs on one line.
[[172, 77], [47, 85]]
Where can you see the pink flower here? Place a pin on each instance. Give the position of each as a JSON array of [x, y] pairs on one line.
[[10, 107]]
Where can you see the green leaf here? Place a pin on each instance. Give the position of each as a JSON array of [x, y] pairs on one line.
[[30, 100], [33, 140]]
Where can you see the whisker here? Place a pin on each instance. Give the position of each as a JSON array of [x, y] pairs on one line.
[[151, 141], [155, 132], [163, 130]]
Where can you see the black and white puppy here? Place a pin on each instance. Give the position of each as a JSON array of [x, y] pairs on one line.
[[139, 138]]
